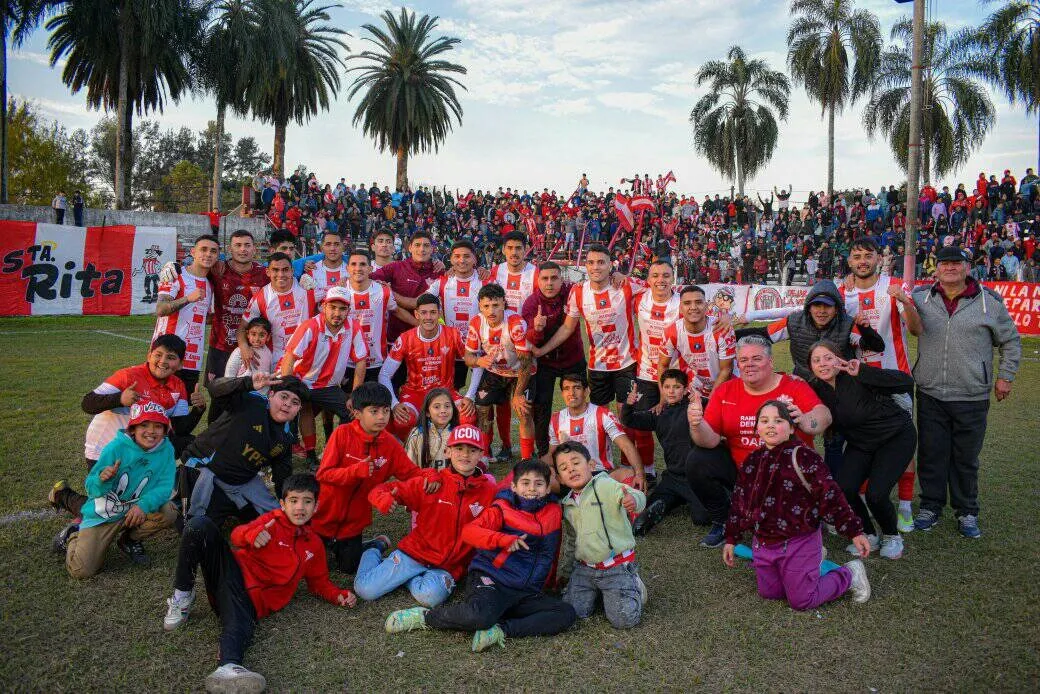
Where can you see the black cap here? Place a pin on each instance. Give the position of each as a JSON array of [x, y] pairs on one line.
[[951, 253]]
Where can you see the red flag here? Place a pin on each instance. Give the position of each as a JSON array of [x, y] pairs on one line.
[[642, 203], [635, 244], [626, 220]]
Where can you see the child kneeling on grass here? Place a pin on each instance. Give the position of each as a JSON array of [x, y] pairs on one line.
[[128, 494], [256, 575], [431, 557], [516, 539], [782, 494], [600, 552]]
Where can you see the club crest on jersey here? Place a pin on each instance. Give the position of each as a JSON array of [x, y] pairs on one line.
[[475, 508], [308, 555], [287, 303], [867, 302], [463, 290], [362, 304], [379, 462], [602, 303], [514, 284], [786, 399], [429, 351], [657, 315]]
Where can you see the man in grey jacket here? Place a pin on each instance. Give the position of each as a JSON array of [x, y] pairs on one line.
[[962, 322]]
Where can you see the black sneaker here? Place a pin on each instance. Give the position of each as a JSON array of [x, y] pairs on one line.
[[133, 549], [650, 517], [504, 455], [715, 537], [61, 540], [380, 542]]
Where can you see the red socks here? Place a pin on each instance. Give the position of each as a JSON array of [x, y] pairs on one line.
[[526, 448], [906, 486]]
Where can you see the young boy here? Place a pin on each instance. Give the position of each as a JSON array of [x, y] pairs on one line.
[[600, 552], [673, 432], [433, 555], [516, 540], [128, 494], [357, 457], [256, 575]]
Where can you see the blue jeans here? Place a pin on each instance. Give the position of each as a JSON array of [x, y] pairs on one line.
[[618, 588], [377, 576]]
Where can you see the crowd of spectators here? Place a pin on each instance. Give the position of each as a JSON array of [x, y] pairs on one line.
[[771, 239]]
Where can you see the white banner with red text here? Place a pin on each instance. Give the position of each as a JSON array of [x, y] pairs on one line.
[[51, 269]]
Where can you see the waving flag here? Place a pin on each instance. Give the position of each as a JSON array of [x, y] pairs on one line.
[[662, 183], [626, 219], [642, 203]]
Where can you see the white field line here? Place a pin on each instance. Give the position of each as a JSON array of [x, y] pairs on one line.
[[63, 331], [125, 337], [27, 516]]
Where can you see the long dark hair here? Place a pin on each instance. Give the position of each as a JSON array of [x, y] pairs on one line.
[[425, 425]]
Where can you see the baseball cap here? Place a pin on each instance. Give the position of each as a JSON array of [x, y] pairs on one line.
[[148, 411], [824, 299], [338, 294], [950, 253], [467, 434]]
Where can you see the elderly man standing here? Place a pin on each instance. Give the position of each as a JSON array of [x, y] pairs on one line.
[[962, 322]]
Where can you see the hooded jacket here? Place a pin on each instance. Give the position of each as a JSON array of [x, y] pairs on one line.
[[599, 523], [144, 478], [572, 351], [344, 510], [436, 540]]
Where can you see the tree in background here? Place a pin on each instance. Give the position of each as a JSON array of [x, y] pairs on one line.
[[822, 35], [185, 189], [956, 111], [294, 65], [44, 158], [733, 124], [409, 96]]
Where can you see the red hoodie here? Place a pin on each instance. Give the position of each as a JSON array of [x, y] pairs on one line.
[[344, 510], [272, 573], [436, 539]]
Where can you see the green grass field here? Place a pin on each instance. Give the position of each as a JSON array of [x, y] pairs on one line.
[[952, 615]]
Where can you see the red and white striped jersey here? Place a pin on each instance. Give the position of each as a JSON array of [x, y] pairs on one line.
[[595, 428], [371, 307], [653, 317], [884, 314], [320, 358], [458, 299], [504, 344], [518, 286], [189, 323], [430, 363], [699, 354], [609, 323], [325, 277], [285, 311]]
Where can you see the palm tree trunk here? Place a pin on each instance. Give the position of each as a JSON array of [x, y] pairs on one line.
[[830, 152], [3, 119], [402, 168], [218, 158], [926, 147], [124, 116], [739, 166], [278, 167]]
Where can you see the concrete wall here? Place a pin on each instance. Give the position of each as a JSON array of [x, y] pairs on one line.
[[189, 226]]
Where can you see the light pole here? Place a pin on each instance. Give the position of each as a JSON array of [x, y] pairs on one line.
[[913, 182]]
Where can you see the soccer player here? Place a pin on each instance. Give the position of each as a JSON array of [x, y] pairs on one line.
[[331, 271], [318, 354], [283, 302], [890, 311], [701, 348], [458, 295], [382, 246], [507, 361], [409, 278], [428, 351], [184, 305]]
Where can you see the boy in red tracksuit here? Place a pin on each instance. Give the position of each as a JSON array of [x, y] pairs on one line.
[[256, 575], [433, 556], [357, 457]]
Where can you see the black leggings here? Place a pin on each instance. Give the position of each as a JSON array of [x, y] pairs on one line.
[[881, 469], [712, 474], [346, 553]]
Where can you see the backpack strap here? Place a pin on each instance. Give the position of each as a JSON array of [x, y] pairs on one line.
[[798, 469]]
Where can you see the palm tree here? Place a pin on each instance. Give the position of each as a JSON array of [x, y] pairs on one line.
[[129, 55], [221, 70], [1010, 59], [410, 97], [819, 42], [295, 63], [733, 124], [956, 112], [20, 18]]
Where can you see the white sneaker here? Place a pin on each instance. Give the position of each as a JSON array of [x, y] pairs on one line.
[[892, 546], [875, 544], [177, 611], [235, 679], [860, 587]]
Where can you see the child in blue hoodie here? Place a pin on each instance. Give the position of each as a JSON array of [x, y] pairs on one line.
[[517, 538], [128, 494]]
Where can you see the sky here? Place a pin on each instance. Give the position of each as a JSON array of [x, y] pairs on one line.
[[557, 88]]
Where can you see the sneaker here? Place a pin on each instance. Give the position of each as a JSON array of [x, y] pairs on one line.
[[177, 611], [486, 638], [891, 546], [235, 679], [380, 542], [875, 544], [133, 549], [650, 517], [406, 620], [504, 455], [926, 519], [715, 537], [61, 540], [860, 586], [905, 522], [644, 596], [57, 495], [970, 527]]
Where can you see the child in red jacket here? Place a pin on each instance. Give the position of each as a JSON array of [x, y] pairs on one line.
[[357, 457], [433, 555], [253, 577]]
